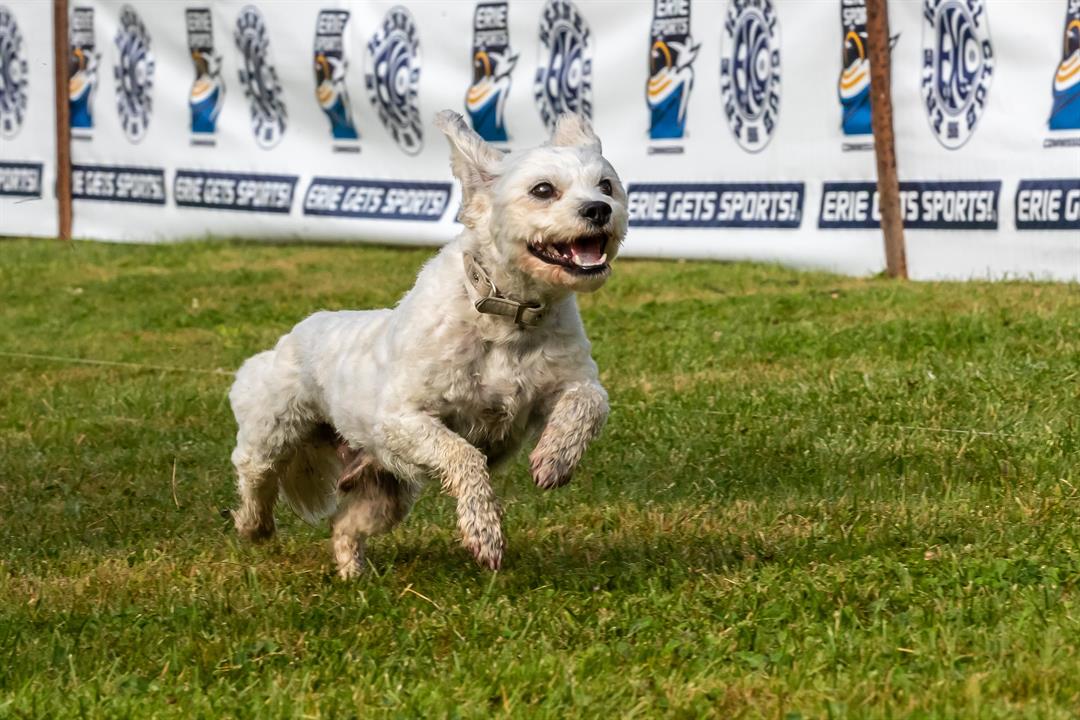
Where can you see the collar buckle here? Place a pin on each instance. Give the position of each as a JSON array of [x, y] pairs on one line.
[[491, 301], [519, 316]]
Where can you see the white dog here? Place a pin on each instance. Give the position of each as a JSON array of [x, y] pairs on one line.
[[352, 411]]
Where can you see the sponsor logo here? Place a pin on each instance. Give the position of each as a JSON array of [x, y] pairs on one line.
[[750, 72], [392, 79], [854, 85], [492, 61], [118, 184], [376, 199], [208, 90], [957, 67], [563, 82], [134, 74], [82, 70], [20, 179], [13, 76], [672, 52], [259, 78], [234, 191], [330, 67], [1065, 113], [743, 205], [924, 205], [1048, 205]]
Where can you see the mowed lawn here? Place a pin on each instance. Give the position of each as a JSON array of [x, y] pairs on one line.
[[815, 497]]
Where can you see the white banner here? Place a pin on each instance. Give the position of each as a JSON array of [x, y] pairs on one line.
[[27, 120], [741, 127]]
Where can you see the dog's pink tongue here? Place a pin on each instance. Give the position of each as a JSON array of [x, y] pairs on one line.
[[587, 251]]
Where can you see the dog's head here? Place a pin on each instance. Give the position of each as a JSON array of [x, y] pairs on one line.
[[555, 213]]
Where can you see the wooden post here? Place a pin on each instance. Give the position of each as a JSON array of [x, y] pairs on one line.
[[892, 221], [63, 117]]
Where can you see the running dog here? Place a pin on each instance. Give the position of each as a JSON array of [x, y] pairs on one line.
[[352, 412]]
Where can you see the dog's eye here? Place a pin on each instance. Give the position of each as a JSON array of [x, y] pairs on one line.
[[543, 191], [605, 186]]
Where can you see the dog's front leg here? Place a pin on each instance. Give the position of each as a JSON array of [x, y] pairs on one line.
[[578, 413], [424, 442]]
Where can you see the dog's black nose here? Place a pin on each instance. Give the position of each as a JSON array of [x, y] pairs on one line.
[[597, 212]]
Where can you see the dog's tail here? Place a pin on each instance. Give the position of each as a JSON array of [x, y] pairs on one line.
[[309, 482]]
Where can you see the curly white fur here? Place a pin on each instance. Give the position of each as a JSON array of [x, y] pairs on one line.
[[432, 389]]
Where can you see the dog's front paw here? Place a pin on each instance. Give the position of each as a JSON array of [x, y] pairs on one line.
[[350, 571], [549, 470], [487, 547], [349, 555], [253, 529]]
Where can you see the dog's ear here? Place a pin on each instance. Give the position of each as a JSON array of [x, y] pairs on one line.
[[574, 130], [473, 161]]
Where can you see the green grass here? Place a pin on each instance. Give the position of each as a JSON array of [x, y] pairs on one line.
[[815, 497]]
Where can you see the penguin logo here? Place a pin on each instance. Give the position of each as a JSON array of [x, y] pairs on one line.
[[672, 53], [207, 94], [82, 69], [330, 68], [1065, 113], [492, 61], [854, 85]]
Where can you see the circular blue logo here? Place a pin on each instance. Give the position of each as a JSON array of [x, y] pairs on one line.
[[958, 67], [259, 78], [13, 76], [563, 82], [392, 78], [134, 73], [750, 72]]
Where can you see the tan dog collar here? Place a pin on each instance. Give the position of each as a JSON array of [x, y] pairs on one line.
[[492, 302]]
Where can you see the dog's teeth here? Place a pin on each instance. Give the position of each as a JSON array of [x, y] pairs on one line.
[[585, 262], [588, 260]]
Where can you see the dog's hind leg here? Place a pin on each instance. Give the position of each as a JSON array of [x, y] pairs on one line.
[[266, 401], [257, 484], [372, 501]]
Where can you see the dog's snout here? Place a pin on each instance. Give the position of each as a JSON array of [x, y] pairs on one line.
[[597, 212]]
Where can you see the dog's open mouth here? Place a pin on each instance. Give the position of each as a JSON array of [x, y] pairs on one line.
[[584, 255]]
